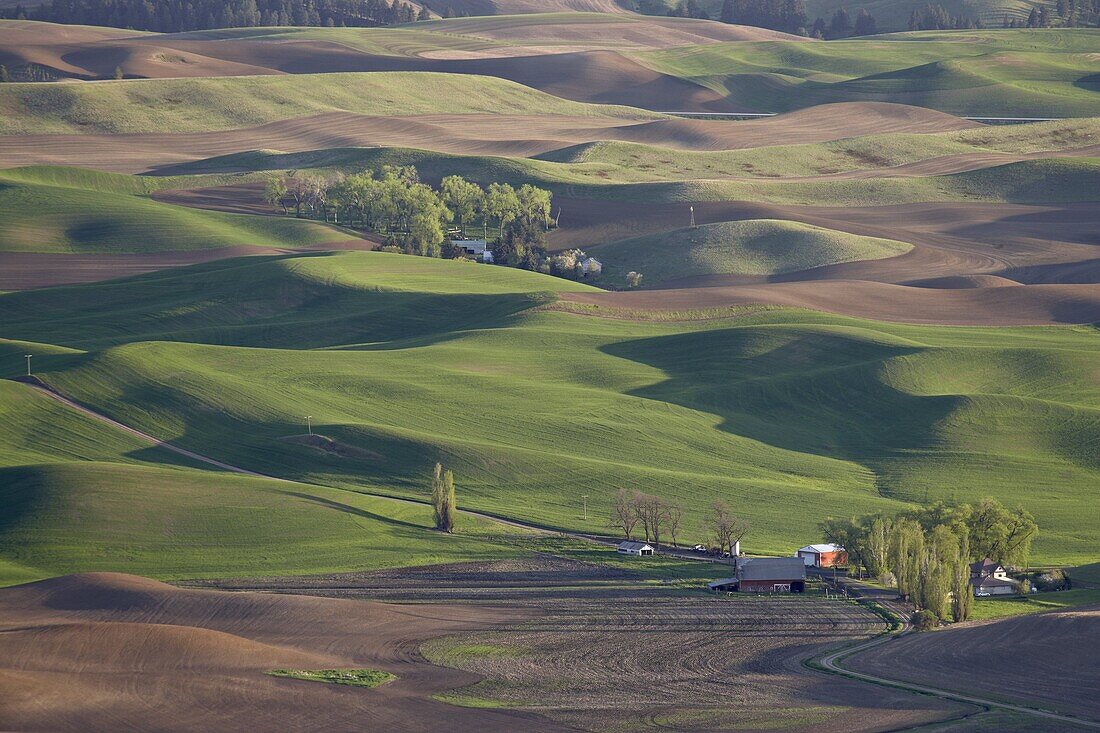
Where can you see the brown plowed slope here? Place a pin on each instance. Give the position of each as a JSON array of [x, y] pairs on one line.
[[1047, 659], [106, 652], [1023, 305], [512, 135]]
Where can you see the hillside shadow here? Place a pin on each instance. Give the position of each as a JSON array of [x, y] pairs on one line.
[[1090, 82], [253, 302], [804, 391]]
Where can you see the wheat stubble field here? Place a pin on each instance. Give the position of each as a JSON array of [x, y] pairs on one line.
[[869, 302]]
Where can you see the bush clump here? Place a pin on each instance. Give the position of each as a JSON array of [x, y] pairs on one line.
[[925, 620]]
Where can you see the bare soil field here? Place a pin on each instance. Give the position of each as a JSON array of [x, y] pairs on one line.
[[512, 135], [1022, 305], [1047, 659], [107, 652], [694, 662]]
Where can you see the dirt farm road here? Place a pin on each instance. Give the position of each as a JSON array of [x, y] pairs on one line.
[[831, 662]]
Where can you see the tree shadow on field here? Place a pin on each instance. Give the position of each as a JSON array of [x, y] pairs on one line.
[[793, 388]]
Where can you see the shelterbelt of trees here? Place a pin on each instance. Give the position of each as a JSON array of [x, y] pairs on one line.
[[176, 16], [929, 550], [416, 219]]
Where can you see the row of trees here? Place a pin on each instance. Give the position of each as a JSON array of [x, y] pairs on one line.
[[443, 499], [414, 216], [937, 18], [1067, 14], [174, 16], [928, 551], [654, 516], [782, 15], [416, 219]]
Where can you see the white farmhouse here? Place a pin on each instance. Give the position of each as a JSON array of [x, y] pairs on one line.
[[475, 248]]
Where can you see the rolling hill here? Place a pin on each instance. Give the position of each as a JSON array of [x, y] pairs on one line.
[[78, 211], [403, 361], [750, 247]]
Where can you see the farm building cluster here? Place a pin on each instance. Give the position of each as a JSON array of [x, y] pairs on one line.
[[788, 574]]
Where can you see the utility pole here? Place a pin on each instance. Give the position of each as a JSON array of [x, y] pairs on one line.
[[309, 424], [28, 363], [584, 497]]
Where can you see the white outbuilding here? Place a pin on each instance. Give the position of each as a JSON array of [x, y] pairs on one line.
[[639, 549]]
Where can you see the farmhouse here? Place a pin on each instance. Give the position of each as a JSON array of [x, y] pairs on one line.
[[987, 578], [640, 549], [589, 266], [823, 556], [476, 248]]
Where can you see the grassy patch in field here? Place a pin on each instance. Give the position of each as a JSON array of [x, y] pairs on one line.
[[749, 247], [352, 677], [991, 608]]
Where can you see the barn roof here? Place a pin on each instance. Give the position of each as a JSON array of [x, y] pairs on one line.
[[721, 582], [821, 548], [628, 545], [771, 568]]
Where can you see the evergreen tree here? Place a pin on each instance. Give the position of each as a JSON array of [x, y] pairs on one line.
[[439, 508], [449, 506], [841, 25], [4, 76], [865, 24]]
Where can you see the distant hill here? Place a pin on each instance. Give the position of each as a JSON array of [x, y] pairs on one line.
[[753, 247]]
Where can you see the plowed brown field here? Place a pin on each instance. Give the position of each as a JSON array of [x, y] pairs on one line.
[[109, 652], [694, 662], [1046, 660]]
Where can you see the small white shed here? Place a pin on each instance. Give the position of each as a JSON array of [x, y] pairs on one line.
[[639, 549]]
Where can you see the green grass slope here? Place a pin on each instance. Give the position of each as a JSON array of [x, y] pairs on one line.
[[223, 103], [790, 416], [80, 495], [70, 210], [750, 247]]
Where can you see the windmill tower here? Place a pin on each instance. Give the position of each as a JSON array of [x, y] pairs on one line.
[[692, 216]]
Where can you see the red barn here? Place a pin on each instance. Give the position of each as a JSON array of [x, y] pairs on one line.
[[823, 556]]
